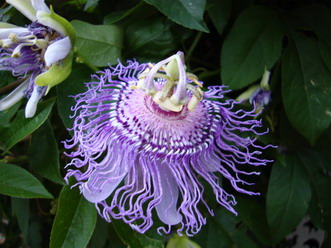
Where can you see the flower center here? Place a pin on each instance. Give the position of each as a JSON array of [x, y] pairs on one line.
[[170, 86], [37, 38], [163, 112]]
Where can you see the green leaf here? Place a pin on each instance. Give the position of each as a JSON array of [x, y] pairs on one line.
[[318, 19], [150, 39], [219, 12], [73, 85], [221, 227], [224, 226], [100, 45], [22, 127], [253, 214], [74, 222], [117, 16], [288, 196], [321, 184], [186, 13], [100, 234], [253, 45], [306, 87], [91, 5], [17, 182], [21, 209], [135, 239], [7, 115], [44, 154]]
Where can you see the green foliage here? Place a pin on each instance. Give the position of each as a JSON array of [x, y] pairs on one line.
[[186, 13], [306, 89], [21, 127], [133, 239], [17, 182], [74, 222], [99, 45], [228, 41], [288, 197], [73, 85], [252, 45], [219, 12], [44, 154]]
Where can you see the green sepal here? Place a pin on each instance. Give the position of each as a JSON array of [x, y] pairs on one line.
[[248, 93], [56, 73], [57, 23], [265, 80]]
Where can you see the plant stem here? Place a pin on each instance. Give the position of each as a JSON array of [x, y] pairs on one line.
[[11, 86], [193, 45]]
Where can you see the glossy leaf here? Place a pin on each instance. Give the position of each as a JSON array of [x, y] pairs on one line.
[[134, 239], [219, 12], [21, 209], [100, 45], [149, 39], [288, 196], [74, 222], [7, 115], [314, 163], [44, 154], [317, 17], [73, 85], [253, 44], [253, 213], [184, 12], [21, 127], [305, 87], [225, 227], [17, 182]]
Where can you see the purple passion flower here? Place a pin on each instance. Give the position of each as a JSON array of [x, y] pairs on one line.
[[258, 95], [40, 54], [146, 135]]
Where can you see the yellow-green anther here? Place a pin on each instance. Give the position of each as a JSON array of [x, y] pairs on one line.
[[13, 37]]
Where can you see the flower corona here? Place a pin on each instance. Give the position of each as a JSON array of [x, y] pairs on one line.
[[145, 136]]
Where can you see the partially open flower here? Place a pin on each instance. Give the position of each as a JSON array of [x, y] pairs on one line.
[[40, 53], [258, 95], [146, 135]]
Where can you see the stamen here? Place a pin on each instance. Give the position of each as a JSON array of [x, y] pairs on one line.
[[174, 93], [6, 43], [13, 37], [17, 51]]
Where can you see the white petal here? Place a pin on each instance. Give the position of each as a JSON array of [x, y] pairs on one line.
[[7, 25], [57, 51], [40, 5], [25, 7], [167, 208], [4, 32], [45, 18], [31, 106], [15, 96]]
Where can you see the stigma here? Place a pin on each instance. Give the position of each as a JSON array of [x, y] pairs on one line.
[[170, 86]]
